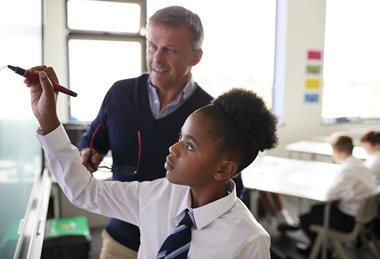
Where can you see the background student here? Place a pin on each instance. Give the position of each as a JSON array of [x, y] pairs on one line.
[[371, 143], [197, 195], [352, 185], [145, 114]]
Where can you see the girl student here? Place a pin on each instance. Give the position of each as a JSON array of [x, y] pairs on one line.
[[197, 199]]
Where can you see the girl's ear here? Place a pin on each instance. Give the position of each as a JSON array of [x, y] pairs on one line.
[[227, 170]]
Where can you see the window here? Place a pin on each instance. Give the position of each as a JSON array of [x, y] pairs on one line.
[[103, 16], [351, 78], [105, 38], [21, 45], [105, 62], [22, 190], [105, 44], [239, 44]]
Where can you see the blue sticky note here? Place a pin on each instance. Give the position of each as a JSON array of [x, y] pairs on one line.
[[311, 98]]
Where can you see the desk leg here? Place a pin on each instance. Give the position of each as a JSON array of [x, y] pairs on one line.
[[326, 227]]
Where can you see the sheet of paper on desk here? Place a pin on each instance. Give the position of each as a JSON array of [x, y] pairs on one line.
[[311, 180], [320, 174], [305, 179]]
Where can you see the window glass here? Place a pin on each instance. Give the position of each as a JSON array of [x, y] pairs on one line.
[[351, 78], [239, 44], [20, 152], [94, 66], [20, 32], [103, 16]]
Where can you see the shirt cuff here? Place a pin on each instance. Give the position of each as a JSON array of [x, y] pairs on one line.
[[55, 140]]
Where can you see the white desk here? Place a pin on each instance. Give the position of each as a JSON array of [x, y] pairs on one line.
[[314, 148], [304, 179], [300, 178]]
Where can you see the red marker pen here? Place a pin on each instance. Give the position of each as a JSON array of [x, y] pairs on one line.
[[33, 77]]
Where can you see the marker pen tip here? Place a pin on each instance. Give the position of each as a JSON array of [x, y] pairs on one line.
[[11, 67]]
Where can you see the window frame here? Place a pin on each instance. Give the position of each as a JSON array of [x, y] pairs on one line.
[[139, 37]]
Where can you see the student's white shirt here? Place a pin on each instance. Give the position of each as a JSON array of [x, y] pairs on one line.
[[354, 183], [224, 228], [373, 163]]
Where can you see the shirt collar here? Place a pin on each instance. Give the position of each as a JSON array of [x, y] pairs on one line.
[[206, 214], [185, 93], [349, 161]]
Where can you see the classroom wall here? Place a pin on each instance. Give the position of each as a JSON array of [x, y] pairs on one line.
[[55, 51], [304, 31]]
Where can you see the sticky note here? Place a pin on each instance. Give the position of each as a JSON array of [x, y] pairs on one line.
[[313, 69], [311, 97], [314, 54], [312, 84]]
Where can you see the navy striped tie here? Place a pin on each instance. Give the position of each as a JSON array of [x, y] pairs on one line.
[[177, 245]]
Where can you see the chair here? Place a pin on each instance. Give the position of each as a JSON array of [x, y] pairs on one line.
[[366, 213]]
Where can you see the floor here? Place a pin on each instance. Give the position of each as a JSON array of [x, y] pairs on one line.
[[286, 243], [283, 243]]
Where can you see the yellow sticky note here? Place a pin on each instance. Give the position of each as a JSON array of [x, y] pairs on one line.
[[312, 84]]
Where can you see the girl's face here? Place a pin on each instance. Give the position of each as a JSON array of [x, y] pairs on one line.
[[194, 159]]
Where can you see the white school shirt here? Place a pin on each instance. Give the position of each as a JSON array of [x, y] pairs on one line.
[[224, 228], [353, 183], [373, 163]]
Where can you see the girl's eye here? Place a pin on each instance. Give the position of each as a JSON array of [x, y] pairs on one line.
[[189, 146]]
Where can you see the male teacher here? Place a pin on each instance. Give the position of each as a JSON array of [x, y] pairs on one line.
[[141, 117]]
